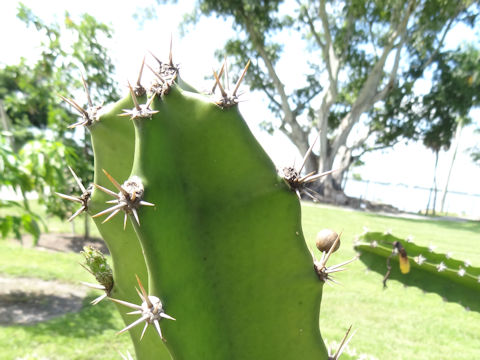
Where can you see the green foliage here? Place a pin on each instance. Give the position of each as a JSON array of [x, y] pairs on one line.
[[46, 163], [262, 15], [398, 117], [28, 222], [11, 172], [91, 55], [60, 59], [475, 154], [15, 176], [347, 43], [39, 166], [26, 88], [455, 91], [433, 117], [30, 159]]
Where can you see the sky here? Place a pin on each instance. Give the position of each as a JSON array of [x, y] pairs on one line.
[[409, 164]]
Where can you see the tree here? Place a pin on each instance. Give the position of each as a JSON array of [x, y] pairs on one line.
[[455, 90], [30, 103], [456, 141], [18, 218], [441, 113], [30, 91], [359, 53]]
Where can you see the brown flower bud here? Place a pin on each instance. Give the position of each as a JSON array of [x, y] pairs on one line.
[[325, 240]]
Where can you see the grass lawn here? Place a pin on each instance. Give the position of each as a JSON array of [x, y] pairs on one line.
[[399, 322], [396, 323], [89, 334]]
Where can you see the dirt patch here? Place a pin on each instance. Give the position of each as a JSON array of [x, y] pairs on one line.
[[29, 300], [25, 301], [64, 243]]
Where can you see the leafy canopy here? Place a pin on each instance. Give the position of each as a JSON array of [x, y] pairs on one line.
[[36, 144], [362, 57]]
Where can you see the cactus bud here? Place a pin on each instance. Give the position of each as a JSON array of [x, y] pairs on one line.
[[96, 264], [325, 240]]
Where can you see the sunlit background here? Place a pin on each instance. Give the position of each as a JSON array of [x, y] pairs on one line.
[[401, 176]]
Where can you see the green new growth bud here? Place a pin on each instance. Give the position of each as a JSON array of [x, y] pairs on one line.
[[96, 264]]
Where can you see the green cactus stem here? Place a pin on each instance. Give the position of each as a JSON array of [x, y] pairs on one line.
[[113, 141], [228, 226], [452, 279], [214, 230]]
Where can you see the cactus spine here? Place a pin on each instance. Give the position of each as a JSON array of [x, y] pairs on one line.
[[219, 245]]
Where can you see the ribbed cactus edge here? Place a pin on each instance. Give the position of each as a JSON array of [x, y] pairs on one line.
[[205, 234]]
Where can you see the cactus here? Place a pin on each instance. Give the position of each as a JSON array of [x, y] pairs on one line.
[[454, 280], [197, 216]]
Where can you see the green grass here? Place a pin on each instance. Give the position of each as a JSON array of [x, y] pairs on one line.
[[19, 261], [89, 334], [399, 322], [396, 323]]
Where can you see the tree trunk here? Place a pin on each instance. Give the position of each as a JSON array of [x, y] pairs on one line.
[[435, 188], [311, 165], [428, 202], [7, 125], [346, 159], [458, 132]]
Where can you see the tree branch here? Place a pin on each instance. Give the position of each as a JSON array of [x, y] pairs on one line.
[[348, 36], [375, 148], [333, 63], [302, 105], [296, 136], [279, 87], [442, 39], [381, 94], [368, 91], [333, 67], [393, 73], [271, 97], [361, 140], [310, 24]]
